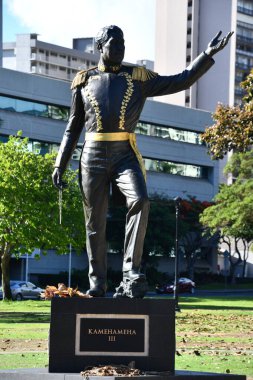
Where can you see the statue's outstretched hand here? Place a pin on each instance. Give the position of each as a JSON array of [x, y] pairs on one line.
[[57, 179], [216, 45]]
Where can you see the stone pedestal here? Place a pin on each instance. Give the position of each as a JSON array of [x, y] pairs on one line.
[[42, 374], [104, 331]]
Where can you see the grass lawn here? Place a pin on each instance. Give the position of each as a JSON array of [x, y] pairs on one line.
[[213, 334]]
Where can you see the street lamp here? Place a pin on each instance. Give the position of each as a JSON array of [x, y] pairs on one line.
[[70, 265], [177, 201]]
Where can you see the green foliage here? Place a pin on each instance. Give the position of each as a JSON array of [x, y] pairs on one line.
[[160, 232], [233, 128], [160, 235], [240, 165], [190, 210], [192, 242], [29, 214], [232, 212]]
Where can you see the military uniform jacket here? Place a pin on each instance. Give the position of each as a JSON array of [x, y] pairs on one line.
[[112, 101]]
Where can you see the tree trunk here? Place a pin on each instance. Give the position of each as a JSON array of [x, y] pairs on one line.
[[233, 266], [190, 262], [245, 256], [5, 266], [244, 268], [232, 272], [234, 263]]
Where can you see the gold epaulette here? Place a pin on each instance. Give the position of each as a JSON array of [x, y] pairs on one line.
[[142, 74], [80, 78]]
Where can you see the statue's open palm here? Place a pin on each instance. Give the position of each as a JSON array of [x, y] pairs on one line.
[[216, 44]]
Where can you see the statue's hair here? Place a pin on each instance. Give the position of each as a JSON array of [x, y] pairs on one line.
[[105, 33]]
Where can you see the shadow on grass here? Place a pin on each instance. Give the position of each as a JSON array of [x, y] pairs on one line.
[[216, 303], [19, 317]]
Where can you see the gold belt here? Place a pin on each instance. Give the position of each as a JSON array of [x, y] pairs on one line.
[[118, 136]]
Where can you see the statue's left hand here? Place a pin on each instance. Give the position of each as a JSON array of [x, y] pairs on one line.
[[216, 45]]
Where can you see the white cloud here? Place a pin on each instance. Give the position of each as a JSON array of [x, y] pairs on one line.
[[58, 21]]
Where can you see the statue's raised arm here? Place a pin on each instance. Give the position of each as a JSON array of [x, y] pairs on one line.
[[215, 45]]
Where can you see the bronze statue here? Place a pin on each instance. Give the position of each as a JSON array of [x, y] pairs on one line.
[[108, 100]]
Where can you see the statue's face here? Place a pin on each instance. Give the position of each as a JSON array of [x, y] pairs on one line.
[[112, 52]]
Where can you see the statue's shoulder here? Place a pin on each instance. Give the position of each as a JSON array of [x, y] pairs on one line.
[[81, 77], [141, 73]]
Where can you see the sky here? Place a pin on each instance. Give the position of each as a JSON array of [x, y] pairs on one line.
[[59, 21]]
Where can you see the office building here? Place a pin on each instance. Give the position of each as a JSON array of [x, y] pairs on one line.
[[183, 29], [30, 55]]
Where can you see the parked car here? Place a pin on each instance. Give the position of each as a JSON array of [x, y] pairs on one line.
[[22, 290], [185, 285]]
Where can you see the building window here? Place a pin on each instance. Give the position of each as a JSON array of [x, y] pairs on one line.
[[244, 31], [34, 108], [245, 7], [151, 164], [42, 147], [168, 132], [53, 67], [176, 168]]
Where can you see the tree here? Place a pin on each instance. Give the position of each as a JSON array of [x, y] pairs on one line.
[[238, 252], [160, 235], [192, 242], [232, 213], [29, 214], [159, 239], [233, 128]]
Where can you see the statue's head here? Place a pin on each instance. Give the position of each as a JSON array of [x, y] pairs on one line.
[[110, 42]]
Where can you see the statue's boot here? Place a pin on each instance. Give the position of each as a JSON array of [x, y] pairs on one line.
[[96, 291], [134, 275], [134, 285]]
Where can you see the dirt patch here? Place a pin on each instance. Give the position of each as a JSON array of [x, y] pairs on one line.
[[227, 343], [23, 345]]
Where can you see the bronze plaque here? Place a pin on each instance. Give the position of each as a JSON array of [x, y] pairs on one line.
[[112, 334]]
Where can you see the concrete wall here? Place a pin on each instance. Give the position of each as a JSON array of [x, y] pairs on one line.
[[52, 264], [171, 39], [214, 86], [208, 18]]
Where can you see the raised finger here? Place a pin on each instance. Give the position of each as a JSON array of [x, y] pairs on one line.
[[229, 35], [217, 35]]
